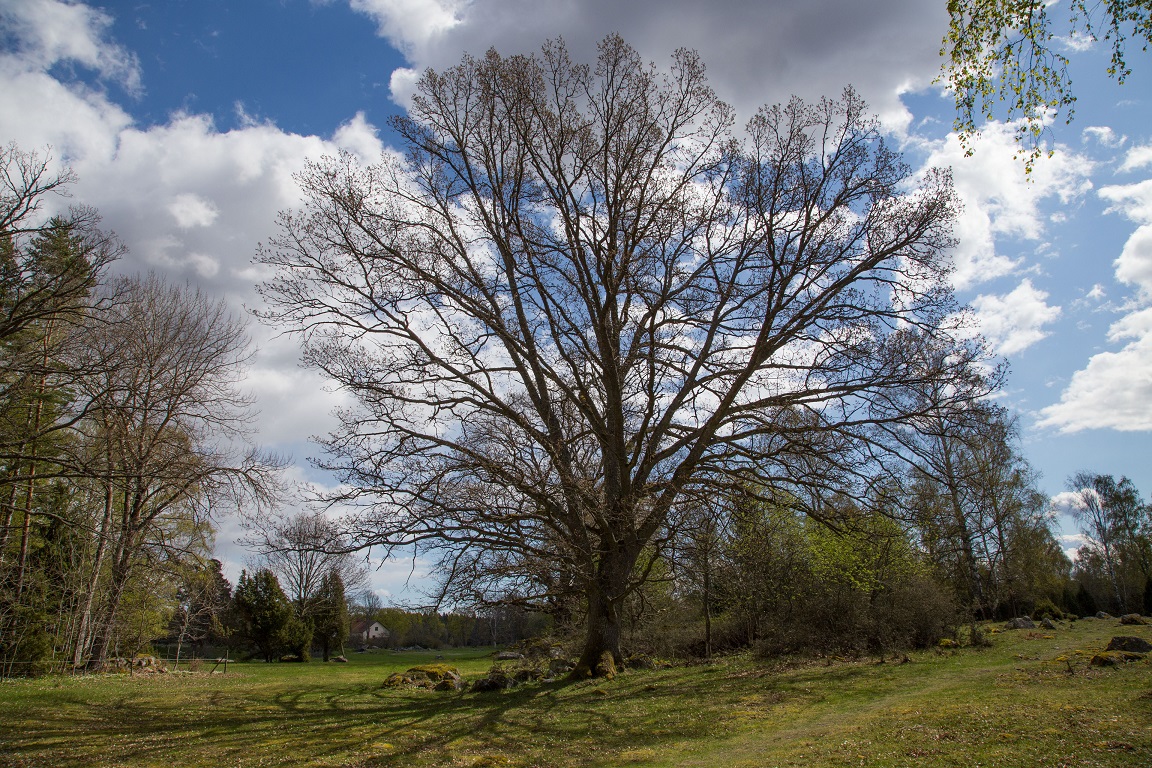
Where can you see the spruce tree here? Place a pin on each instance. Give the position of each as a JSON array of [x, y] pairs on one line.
[[263, 611], [331, 614]]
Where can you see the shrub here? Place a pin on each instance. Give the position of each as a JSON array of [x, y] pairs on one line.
[[912, 611], [1046, 609], [25, 645], [296, 638]]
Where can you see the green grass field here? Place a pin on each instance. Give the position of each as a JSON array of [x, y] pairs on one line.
[[1029, 700]]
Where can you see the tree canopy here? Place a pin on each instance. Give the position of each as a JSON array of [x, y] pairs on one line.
[[578, 300], [1005, 53]]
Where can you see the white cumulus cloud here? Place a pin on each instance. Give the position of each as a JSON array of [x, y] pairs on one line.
[[999, 200], [48, 31], [1104, 136], [411, 25], [1114, 388], [1137, 157], [1014, 321], [1112, 391], [1134, 201], [189, 210]]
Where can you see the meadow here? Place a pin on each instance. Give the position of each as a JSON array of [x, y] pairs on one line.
[[1029, 699]]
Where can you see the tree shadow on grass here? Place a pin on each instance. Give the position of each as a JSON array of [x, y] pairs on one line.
[[587, 721], [362, 724]]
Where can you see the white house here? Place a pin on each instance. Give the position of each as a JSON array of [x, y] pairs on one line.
[[367, 632]]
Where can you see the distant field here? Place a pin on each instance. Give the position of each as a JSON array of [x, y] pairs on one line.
[[1030, 700]]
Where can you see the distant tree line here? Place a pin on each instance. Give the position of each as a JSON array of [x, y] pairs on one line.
[[260, 620], [497, 625], [1113, 569]]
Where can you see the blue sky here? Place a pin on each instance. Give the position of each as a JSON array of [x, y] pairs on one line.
[[185, 120]]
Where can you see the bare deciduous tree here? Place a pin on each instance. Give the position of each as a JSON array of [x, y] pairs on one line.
[[1118, 527], [167, 429], [578, 297], [302, 549]]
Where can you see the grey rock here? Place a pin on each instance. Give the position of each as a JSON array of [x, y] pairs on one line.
[[496, 681], [558, 667], [1128, 643], [1115, 658]]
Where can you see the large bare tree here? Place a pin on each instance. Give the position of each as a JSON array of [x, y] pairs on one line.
[[579, 298]]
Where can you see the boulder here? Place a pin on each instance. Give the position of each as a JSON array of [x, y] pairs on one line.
[[528, 674], [1114, 658], [539, 648], [509, 656], [424, 676], [486, 685], [145, 664], [1020, 622], [1104, 615], [558, 667], [395, 680], [1047, 623], [497, 680], [449, 684], [1133, 619], [1130, 644], [435, 672]]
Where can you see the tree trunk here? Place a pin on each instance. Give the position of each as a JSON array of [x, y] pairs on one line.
[[82, 636], [967, 553], [1121, 604], [603, 635], [37, 417], [179, 647], [26, 529], [9, 513], [605, 597], [103, 640], [707, 612]]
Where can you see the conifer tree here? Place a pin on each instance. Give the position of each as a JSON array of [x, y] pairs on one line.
[[331, 614], [262, 610]]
